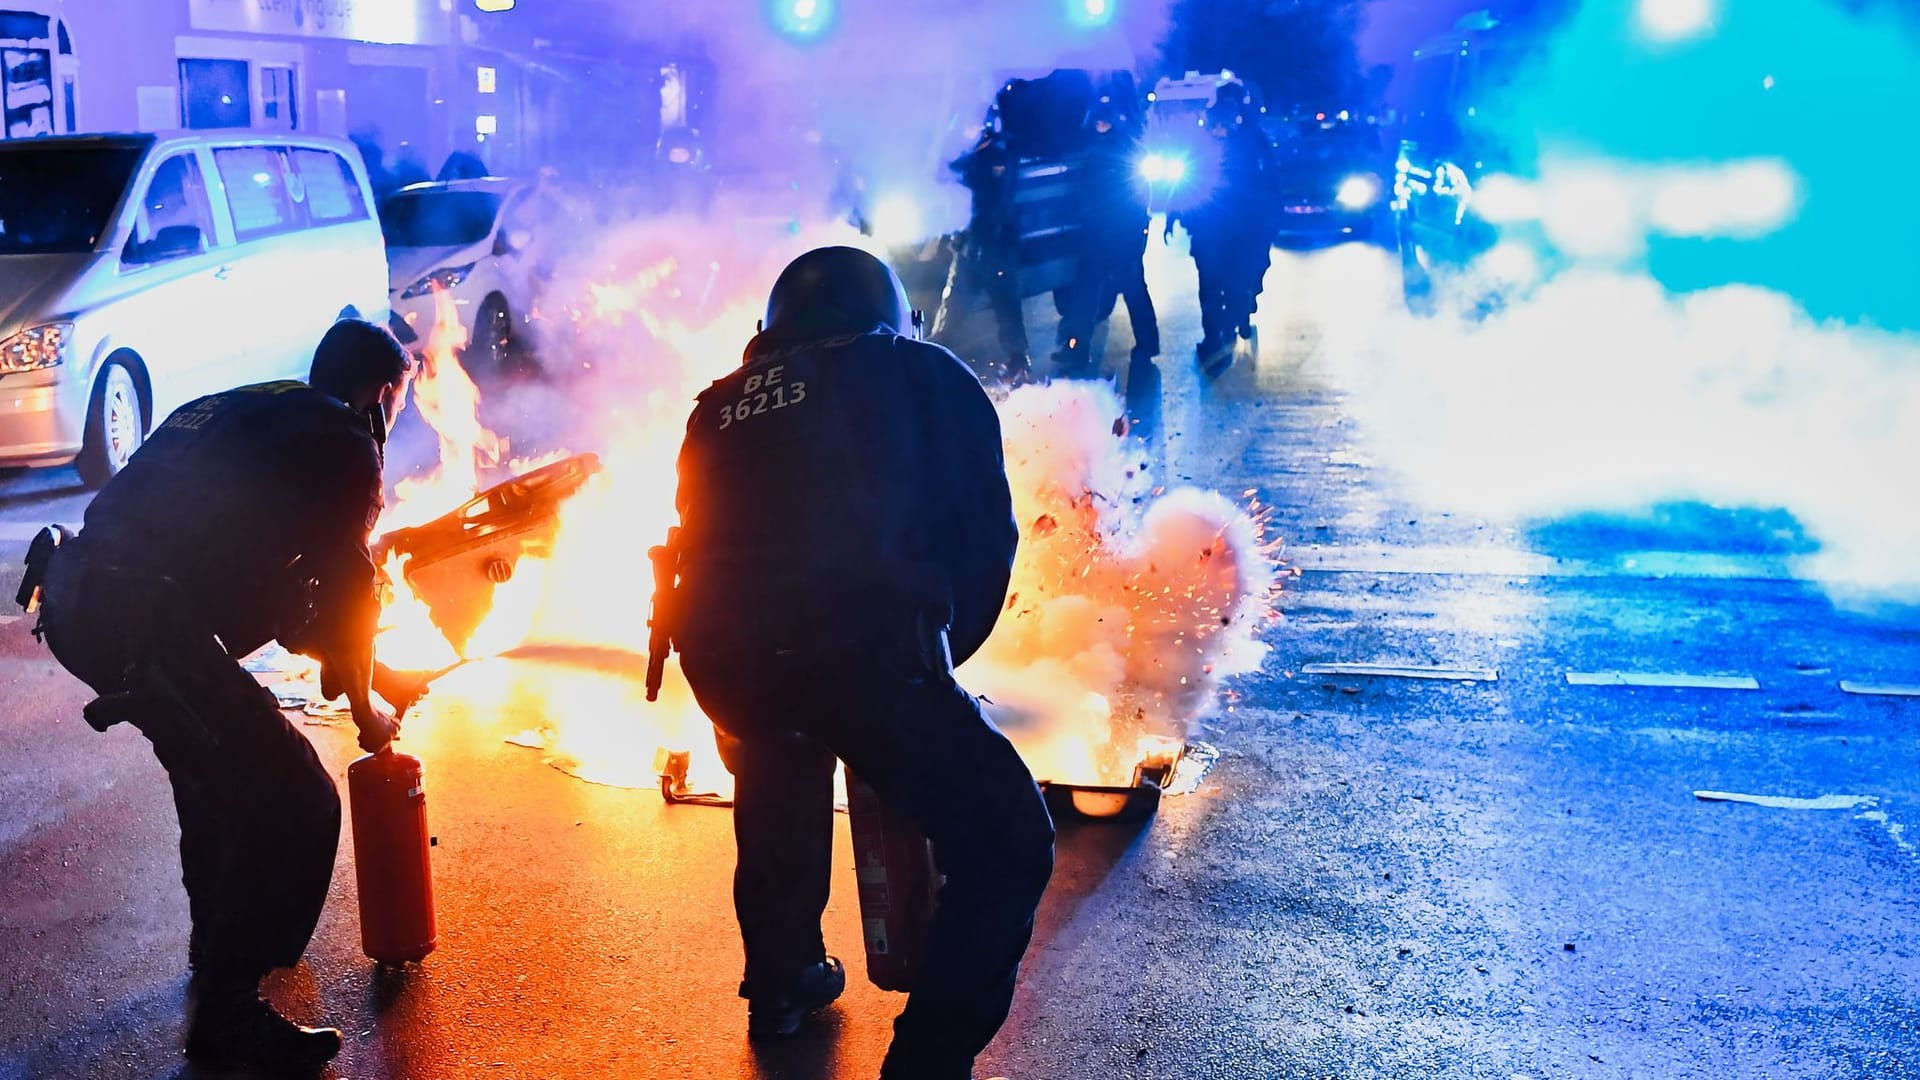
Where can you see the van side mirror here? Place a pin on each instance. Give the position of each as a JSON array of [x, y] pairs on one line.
[[171, 242]]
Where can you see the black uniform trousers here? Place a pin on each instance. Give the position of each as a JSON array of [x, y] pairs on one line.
[[993, 269], [1232, 251], [922, 743], [259, 814], [1112, 266]]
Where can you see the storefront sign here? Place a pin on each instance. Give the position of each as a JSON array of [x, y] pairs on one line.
[[382, 22]]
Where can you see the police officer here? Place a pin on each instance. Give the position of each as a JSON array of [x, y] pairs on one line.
[[991, 263], [245, 517], [847, 537], [1230, 241], [1113, 241]]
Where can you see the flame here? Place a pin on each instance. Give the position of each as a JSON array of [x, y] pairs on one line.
[[1128, 605], [449, 401]]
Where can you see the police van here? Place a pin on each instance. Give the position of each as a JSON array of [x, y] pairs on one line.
[[140, 271]]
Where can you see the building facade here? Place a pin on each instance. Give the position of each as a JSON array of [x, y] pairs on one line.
[[419, 79]]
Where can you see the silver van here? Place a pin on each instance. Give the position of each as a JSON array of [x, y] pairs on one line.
[[138, 272]]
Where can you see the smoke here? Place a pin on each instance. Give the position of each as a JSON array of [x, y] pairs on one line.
[[1794, 102], [1701, 294], [892, 88], [1129, 605]]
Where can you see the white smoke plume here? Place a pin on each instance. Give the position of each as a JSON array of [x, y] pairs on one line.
[[1129, 604], [895, 87], [1599, 390]]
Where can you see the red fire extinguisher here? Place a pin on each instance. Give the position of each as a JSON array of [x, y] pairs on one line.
[[893, 864], [390, 855]]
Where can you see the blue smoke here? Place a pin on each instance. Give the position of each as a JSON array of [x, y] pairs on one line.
[[1831, 91]]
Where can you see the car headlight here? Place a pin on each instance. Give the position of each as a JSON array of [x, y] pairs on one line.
[[1167, 169], [36, 347], [447, 277], [1357, 192]]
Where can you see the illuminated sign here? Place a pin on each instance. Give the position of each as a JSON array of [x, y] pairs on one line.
[[489, 80], [381, 22]]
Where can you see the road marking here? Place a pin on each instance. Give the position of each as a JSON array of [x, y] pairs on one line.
[[1788, 802], [1509, 562], [1646, 678], [1879, 689], [1404, 671]]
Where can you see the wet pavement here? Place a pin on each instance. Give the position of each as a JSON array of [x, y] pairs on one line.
[[1491, 870]]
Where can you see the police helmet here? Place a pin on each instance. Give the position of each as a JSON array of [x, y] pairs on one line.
[[1109, 112], [838, 290]]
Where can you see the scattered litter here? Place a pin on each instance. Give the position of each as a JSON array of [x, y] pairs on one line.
[[290, 698], [327, 711], [1404, 671], [1646, 678], [1879, 689], [1195, 762], [1788, 802]]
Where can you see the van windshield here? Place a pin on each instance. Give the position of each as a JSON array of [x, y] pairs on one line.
[[59, 199], [438, 218]]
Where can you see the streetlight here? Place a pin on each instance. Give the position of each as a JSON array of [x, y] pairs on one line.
[[1091, 13], [801, 19], [493, 7]]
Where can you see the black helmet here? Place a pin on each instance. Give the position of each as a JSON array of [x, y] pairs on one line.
[[1107, 111], [838, 290]]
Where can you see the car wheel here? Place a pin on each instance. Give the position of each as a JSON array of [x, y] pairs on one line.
[[493, 338], [116, 425]]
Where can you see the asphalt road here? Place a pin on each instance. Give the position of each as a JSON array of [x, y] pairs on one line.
[[1491, 873]]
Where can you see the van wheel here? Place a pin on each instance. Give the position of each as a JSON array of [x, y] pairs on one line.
[[116, 425]]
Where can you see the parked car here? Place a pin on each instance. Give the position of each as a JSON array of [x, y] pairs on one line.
[[1330, 178], [141, 271], [474, 241]]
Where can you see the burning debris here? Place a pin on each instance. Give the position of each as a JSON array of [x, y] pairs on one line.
[[1129, 604]]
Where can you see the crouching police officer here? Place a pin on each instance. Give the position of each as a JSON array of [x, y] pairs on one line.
[[846, 537], [244, 518]]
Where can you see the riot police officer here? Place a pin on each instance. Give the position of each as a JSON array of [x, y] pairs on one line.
[[991, 262], [245, 517], [1231, 240], [846, 537], [1113, 241]]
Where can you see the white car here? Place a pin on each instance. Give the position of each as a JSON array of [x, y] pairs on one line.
[[138, 272], [467, 239]]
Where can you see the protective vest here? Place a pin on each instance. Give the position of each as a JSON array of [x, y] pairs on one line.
[[801, 491]]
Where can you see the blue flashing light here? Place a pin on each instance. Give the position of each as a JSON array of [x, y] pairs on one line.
[[802, 20], [1088, 14]]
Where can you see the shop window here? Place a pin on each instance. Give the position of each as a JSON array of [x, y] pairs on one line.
[[333, 191], [29, 91], [256, 182], [279, 98], [213, 94]]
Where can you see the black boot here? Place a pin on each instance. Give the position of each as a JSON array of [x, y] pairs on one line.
[[234, 1029], [778, 1014]]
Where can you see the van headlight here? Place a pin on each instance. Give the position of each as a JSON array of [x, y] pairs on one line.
[[36, 347], [447, 277]]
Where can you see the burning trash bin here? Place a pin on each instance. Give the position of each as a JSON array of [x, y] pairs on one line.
[[456, 561]]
